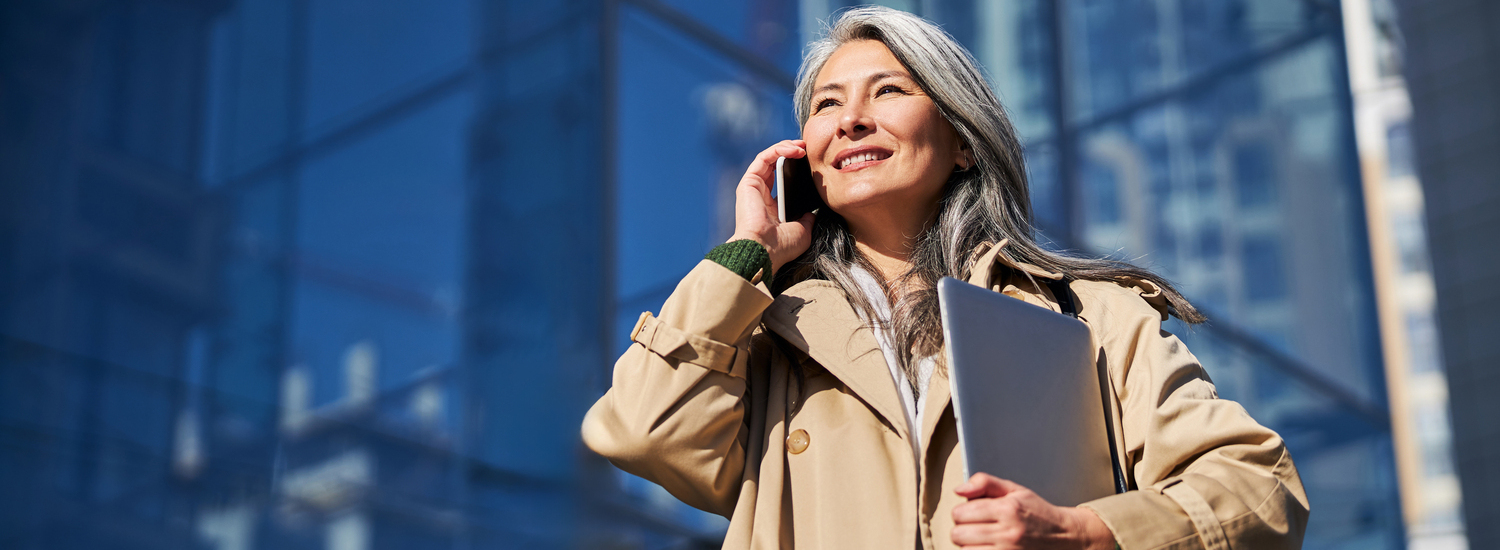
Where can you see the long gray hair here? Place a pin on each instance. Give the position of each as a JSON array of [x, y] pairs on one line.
[[984, 204]]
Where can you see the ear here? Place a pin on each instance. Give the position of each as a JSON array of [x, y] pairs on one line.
[[964, 156]]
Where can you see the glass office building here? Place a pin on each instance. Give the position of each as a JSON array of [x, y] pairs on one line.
[[346, 274], [1213, 142]]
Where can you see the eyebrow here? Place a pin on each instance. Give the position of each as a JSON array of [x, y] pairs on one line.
[[873, 78]]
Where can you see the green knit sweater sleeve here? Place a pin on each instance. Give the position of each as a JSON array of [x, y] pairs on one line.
[[746, 257]]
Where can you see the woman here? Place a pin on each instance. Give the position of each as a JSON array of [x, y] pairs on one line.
[[810, 408]]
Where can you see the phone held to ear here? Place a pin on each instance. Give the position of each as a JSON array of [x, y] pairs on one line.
[[795, 193]]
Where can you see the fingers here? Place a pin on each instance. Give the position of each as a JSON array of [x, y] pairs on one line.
[[760, 175], [982, 535], [765, 162], [786, 148], [756, 212], [1003, 514], [982, 485], [988, 523], [985, 510], [790, 148]]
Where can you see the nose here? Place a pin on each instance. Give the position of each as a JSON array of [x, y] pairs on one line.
[[855, 120]]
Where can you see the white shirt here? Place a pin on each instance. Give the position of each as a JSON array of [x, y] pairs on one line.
[[913, 404]]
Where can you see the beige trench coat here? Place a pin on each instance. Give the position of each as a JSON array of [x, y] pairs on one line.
[[703, 405]]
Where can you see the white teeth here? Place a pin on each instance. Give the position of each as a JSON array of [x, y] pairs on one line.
[[856, 159]]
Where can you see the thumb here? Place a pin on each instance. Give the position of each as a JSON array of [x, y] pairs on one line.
[[806, 221], [982, 485], [798, 230]]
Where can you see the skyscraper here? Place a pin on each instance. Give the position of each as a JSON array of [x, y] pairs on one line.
[[1452, 69], [346, 274], [1212, 142]]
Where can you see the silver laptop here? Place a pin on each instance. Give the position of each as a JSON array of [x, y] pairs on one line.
[[1026, 393]]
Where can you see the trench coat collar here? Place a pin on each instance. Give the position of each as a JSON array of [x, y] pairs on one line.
[[983, 272], [815, 317]]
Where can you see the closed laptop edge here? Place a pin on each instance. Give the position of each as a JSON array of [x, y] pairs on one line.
[[1026, 394]]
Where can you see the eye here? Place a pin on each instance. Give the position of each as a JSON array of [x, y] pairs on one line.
[[829, 102], [889, 88]]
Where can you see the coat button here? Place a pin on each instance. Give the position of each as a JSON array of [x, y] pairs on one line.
[[797, 442]]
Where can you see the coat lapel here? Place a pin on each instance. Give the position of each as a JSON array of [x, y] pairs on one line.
[[815, 317]]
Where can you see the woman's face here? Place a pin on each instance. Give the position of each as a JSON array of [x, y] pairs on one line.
[[874, 138]]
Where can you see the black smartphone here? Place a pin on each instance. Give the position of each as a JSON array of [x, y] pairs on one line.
[[795, 192]]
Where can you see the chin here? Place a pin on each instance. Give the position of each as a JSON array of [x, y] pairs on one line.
[[857, 195]]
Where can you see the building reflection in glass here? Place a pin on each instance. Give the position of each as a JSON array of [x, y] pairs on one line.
[[345, 274]]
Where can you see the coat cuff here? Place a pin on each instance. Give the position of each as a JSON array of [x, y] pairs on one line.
[[1137, 520], [707, 319]]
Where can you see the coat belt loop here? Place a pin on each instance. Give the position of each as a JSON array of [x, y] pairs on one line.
[[1210, 532], [639, 324]]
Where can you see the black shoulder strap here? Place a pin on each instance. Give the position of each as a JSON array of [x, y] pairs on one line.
[[1064, 296]]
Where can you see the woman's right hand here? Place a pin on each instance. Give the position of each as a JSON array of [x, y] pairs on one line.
[[755, 212]]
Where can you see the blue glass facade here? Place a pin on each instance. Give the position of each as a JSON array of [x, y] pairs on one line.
[[1213, 142], [346, 274]]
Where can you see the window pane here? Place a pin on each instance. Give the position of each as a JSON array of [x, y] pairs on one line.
[[359, 53], [1122, 50], [690, 122], [390, 206], [1014, 43], [767, 29]]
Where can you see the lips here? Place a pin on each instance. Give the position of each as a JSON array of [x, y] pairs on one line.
[[856, 156]]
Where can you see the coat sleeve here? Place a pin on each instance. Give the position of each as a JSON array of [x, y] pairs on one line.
[[674, 413], [1208, 475]]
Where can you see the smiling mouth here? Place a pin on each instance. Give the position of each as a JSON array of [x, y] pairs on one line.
[[859, 160]]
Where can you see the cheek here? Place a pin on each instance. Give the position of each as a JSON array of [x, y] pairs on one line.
[[818, 141], [935, 132]]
